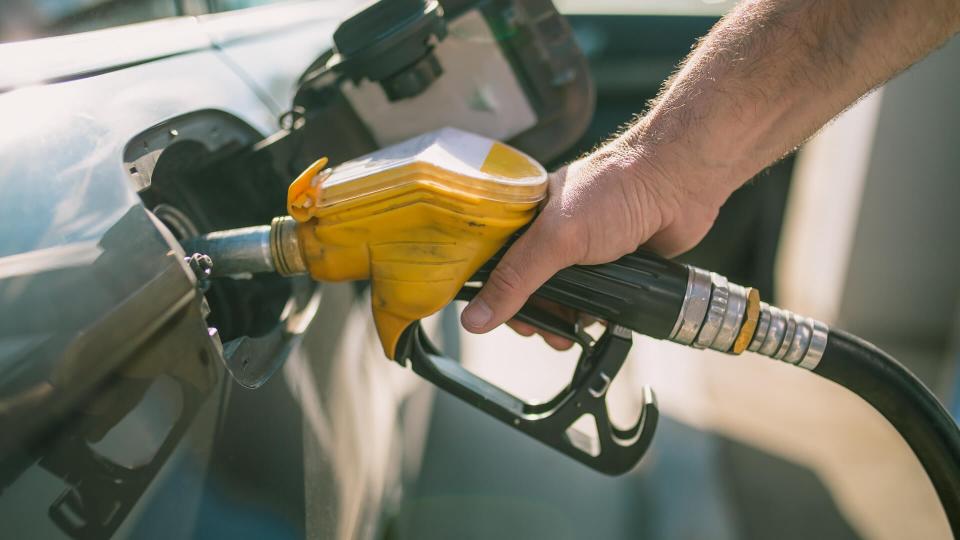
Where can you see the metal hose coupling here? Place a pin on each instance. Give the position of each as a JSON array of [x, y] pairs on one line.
[[727, 317]]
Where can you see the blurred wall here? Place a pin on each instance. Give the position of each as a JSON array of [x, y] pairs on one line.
[[870, 237]]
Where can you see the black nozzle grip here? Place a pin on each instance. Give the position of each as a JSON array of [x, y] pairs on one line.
[[641, 291]]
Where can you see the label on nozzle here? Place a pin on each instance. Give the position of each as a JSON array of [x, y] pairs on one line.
[[454, 150]]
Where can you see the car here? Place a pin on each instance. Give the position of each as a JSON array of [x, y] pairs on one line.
[[127, 376], [118, 417]]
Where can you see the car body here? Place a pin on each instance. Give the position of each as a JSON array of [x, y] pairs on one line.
[[119, 419]]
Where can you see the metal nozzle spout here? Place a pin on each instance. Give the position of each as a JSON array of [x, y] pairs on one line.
[[252, 250], [285, 247]]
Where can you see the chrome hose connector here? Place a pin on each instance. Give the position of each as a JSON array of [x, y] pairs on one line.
[[784, 335], [713, 312], [727, 317]]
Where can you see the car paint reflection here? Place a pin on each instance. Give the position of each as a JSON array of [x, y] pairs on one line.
[[78, 378]]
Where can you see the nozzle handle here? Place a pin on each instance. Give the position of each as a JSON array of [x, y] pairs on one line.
[[609, 449], [641, 291]]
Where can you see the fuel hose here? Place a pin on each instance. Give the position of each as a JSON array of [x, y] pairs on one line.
[[902, 399], [668, 300]]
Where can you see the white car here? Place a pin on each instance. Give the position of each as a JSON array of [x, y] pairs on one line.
[[128, 126]]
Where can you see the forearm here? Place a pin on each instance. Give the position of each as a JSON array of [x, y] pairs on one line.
[[764, 79], [768, 76]]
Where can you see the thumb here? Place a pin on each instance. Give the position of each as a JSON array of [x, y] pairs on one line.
[[533, 259]]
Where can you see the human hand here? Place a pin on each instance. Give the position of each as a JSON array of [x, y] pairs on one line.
[[598, 209]]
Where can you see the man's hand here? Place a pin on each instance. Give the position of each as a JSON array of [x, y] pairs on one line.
[[598, 209]]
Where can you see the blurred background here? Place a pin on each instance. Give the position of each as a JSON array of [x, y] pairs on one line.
[[858, 228]]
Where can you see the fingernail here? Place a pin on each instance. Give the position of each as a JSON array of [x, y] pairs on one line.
[[476, 315]]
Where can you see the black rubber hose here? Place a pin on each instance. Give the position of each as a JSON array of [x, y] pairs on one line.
[[913, 410]]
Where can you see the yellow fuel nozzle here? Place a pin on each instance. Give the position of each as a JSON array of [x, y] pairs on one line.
[[417, 219]]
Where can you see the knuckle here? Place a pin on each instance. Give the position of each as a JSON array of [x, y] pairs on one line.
[[506, 280], [567, 237], [566, 226], [521, 328], [556, 342]]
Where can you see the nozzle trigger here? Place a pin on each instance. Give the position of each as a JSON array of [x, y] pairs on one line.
[[611, 450]]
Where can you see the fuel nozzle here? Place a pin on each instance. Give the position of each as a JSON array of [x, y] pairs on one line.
[[416, 219]]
